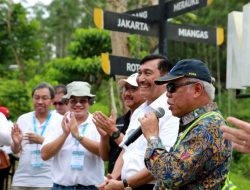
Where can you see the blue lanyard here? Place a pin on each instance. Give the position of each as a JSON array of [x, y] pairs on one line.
[[83, 126], [44, 126]]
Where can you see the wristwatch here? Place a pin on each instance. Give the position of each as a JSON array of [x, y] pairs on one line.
[[79, 137], [126, 186], [115, 135]]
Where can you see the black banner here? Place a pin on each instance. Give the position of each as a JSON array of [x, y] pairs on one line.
[[130, 24], [150, 13], [123, 65], [190, 33], [178, 7]]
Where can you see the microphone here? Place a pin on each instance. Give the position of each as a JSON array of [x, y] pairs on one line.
[[159, 112]]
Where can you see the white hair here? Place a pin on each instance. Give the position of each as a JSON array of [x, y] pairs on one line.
[[209, 87]]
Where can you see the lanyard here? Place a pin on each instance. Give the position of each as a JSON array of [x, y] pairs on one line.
[[83, 126], [193, 124], [44, 126]]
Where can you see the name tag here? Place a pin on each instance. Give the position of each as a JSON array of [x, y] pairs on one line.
[[77, 160], [36, 160]]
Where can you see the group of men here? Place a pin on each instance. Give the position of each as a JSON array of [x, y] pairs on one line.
[[183, 148]]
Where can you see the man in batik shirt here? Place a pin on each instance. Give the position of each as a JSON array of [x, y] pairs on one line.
[[200, 157]]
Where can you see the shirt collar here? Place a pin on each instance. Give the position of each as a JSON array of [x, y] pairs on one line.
[[188, 118], [158, 102]]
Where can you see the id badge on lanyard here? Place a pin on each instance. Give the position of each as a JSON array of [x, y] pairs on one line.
[[36, 159], [77, 157], [77, 160]]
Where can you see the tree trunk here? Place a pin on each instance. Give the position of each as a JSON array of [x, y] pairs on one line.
[[119, 42], [13, 49]]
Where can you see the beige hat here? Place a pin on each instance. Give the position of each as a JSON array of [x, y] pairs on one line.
[[78, 88], [130, 80]]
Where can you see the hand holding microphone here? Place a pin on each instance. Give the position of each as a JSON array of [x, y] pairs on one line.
[[149, 126]]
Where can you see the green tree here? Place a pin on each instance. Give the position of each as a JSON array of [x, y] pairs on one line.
[[19, 42], [15, 98], [89, 42], [83, 63], [20, 45]]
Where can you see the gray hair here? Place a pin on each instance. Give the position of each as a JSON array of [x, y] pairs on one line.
[[209, 87]]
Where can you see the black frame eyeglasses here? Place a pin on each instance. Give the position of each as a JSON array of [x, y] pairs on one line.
[[58, 103], [172, 87]]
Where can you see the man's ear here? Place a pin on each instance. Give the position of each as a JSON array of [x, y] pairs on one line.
[[198, 88]]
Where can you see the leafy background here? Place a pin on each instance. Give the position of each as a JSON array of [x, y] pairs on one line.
[[65, 46]]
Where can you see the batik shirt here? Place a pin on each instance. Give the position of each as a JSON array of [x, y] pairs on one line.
[[200, 161]]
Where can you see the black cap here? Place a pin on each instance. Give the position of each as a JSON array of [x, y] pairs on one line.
[[187, 68]]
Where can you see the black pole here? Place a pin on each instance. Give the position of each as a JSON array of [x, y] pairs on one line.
[[163, 30]]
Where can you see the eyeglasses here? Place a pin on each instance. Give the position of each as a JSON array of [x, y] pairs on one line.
[[172, 87], [58, 103], [81, 101], [43, 98], [131, 89]]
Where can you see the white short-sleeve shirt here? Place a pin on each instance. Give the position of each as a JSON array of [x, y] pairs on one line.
[[133, 158], [92, 172], [26, 175]]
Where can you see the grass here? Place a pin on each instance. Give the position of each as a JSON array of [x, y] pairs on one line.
[[240, 181]]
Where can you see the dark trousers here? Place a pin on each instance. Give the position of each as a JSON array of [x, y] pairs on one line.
[[4, 174], [75, 187], [145, 187]]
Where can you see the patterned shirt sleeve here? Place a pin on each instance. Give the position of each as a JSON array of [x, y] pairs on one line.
[[176, 168]]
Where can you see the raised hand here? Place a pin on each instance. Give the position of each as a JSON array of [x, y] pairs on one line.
[[65, 124], [73, 126], [107, 124], [149, 125], [33, 138], [240, 137], [16, 135]]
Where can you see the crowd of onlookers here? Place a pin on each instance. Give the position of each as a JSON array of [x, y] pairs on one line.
[[186, 147]]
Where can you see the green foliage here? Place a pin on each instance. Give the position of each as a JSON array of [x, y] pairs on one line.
[[241, 182], [78, 69], [15, 98], [84, 62], [24, 36], [186, 18], [88, 7], [89, 42], [78, 51], [139, 46], [65, 16], [241, 164], [18, 34], [137, 4], [19, 45], [100, 106], [233, 106]]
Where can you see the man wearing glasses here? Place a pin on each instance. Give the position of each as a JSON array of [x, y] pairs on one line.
[[75, 146], [112, 130], [200, 158], [59, 103], [28, 134]]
